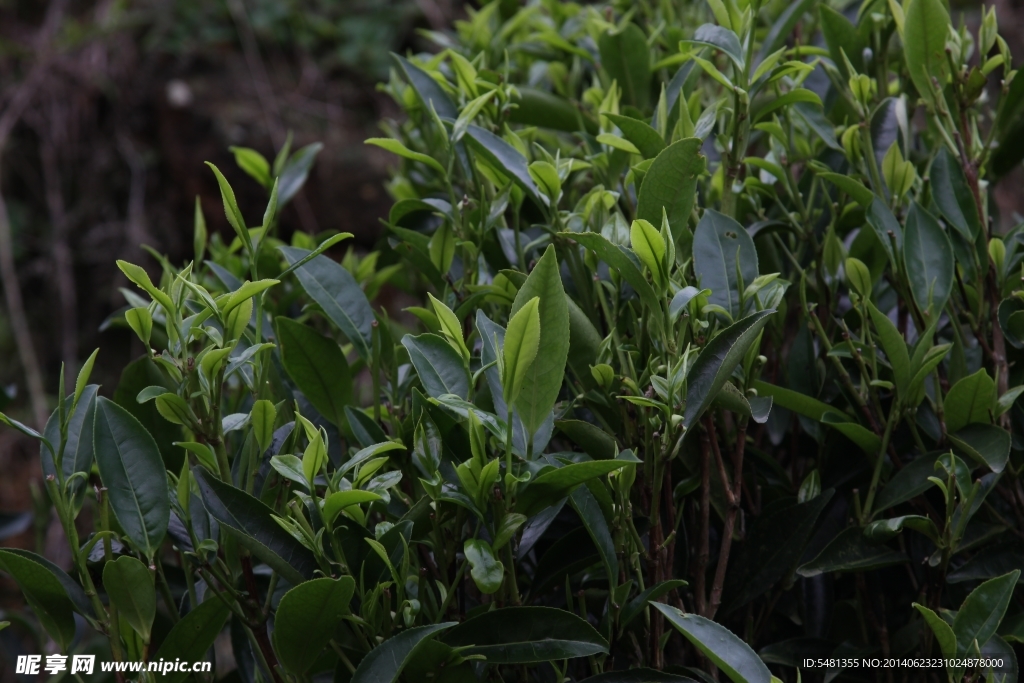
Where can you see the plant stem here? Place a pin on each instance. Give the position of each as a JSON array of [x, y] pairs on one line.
[[704, 552], [876, 475]]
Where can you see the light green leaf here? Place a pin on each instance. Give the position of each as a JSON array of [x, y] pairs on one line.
[[262, 418], [522, 339], [649, 246], [396, 147], [543, 379], [253, 163], [339, 500], [450, 326]]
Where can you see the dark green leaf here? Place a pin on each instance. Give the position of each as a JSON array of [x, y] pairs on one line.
[[317, 366], [646, 139], [928, 257], [526, 635], [544, 378], [595, 442], [366, 431], [547, 110], [293, 175], [554, 484], [771, 550], [616, 257], [636, 606], [990, 562], [716, 362], [842, 38], [851, 551], [44, 594], [589, 510], [952, 195], [720, 38], [970, 400], [253, 524], [132, 591], [441, 368], [886, 529], [978, 618], [339, 296], [133, 472], [925, 30], [307, 617], [74, 591], [584, 344], [429, 91], [384, 663], [671, 184], [881, 220], [895, 347], [793, 97], [136, 376], [908, 483], [78, 454], [782, 28], [851, 186], [793, 400], [720, 645], [637, 676], [988, 444], [626, 58], [191, 637], [724, 260], [505, 159]]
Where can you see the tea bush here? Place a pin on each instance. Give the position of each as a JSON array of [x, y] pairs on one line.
[[715, 373]]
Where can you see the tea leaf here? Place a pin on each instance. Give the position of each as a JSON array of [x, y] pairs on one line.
[[133, 472], [544, 376]]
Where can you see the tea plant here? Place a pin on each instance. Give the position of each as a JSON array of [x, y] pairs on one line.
[[715, 373]]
